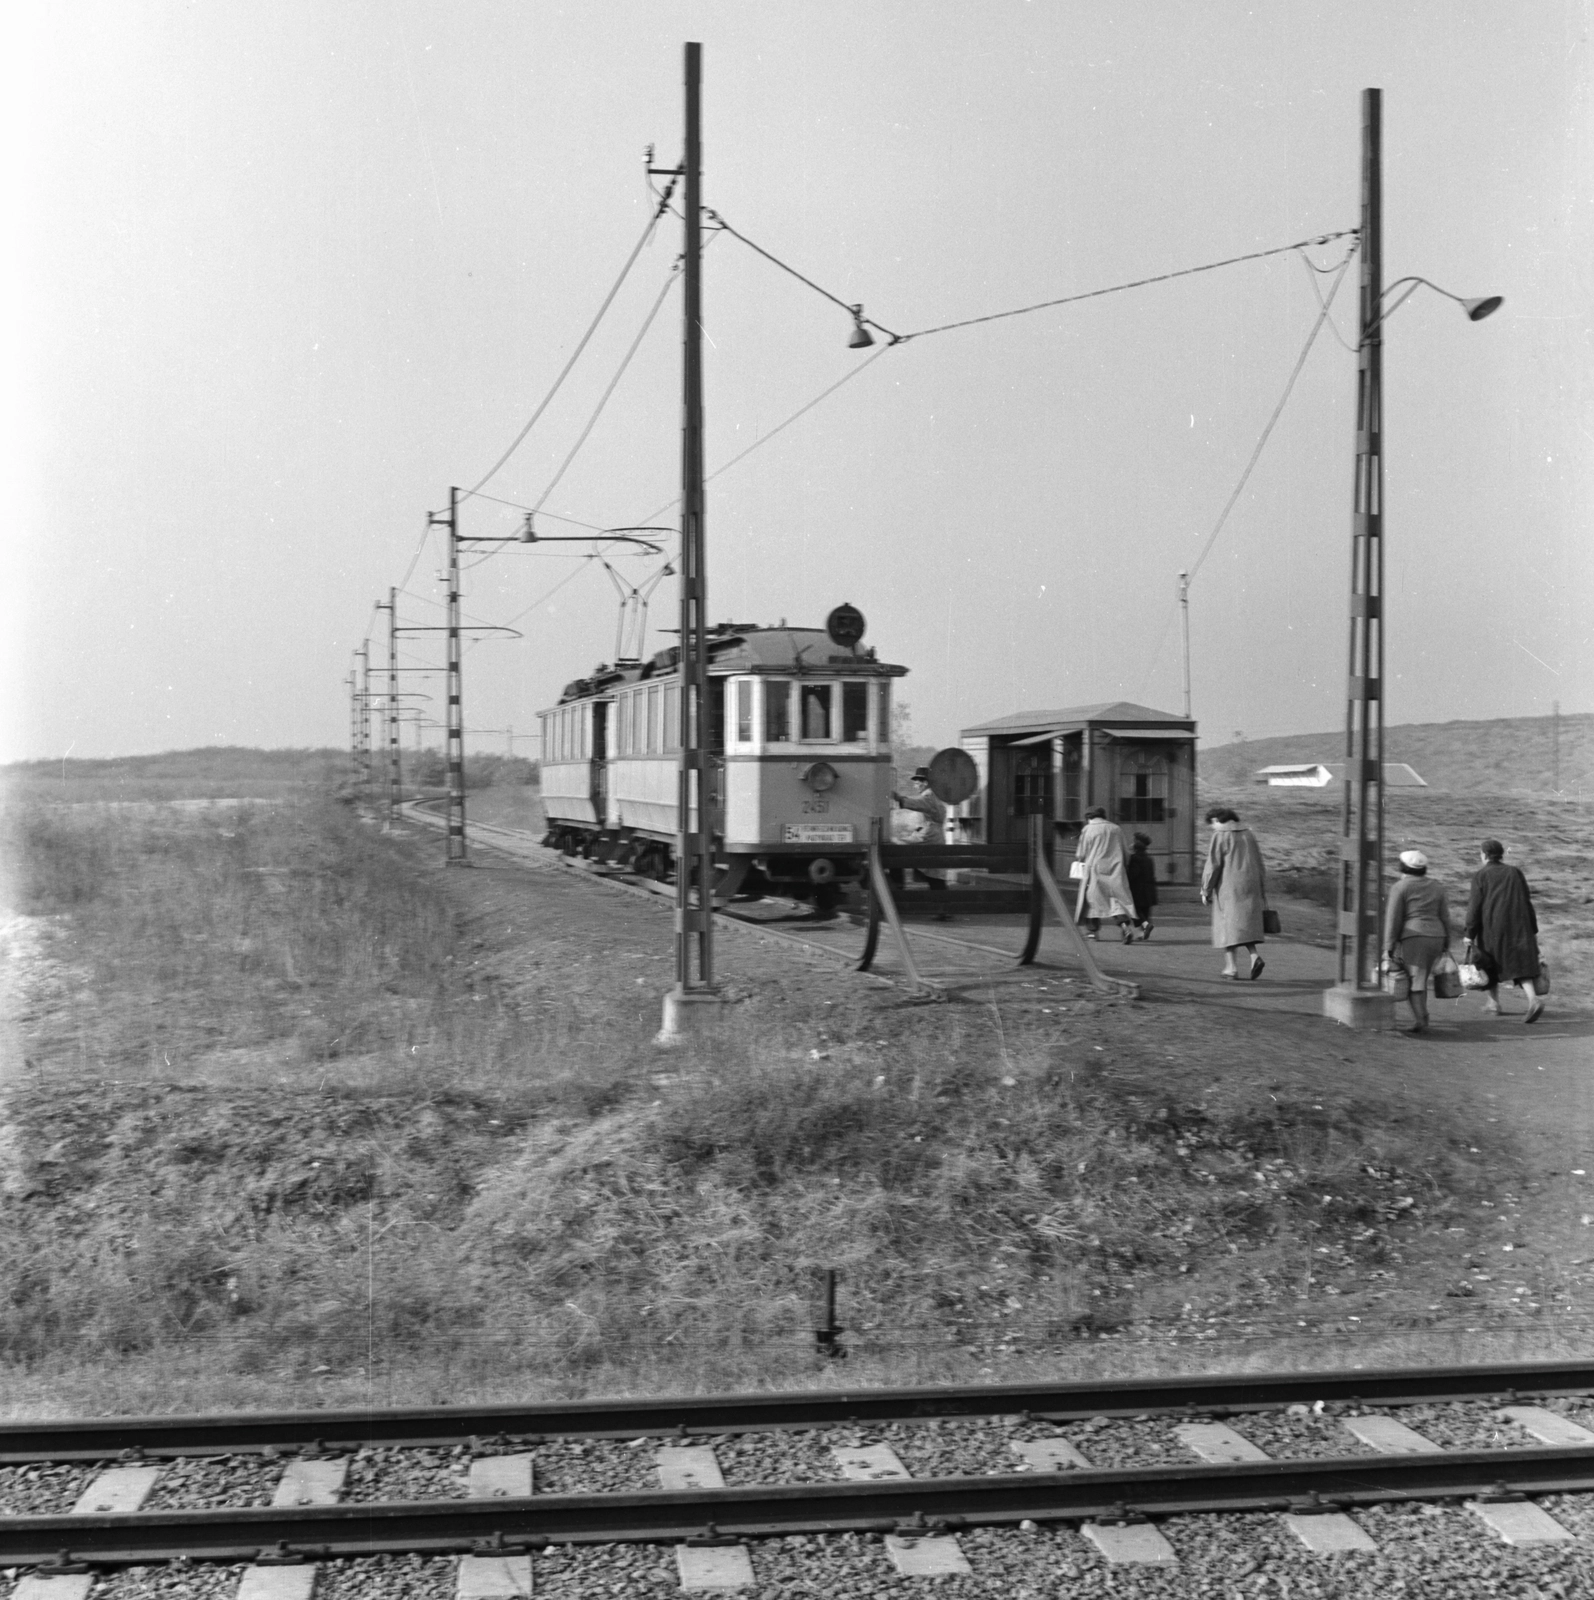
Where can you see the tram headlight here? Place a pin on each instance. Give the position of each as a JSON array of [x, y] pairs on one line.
[[820, 777]]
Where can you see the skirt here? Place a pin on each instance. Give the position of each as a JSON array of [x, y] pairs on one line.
[[1418, 952]]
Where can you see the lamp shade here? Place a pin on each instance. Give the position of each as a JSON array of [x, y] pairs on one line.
[[1477, 310], [861, 337]]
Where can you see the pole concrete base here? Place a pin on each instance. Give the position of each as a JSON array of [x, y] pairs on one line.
[[688, 1014], [1366, 1010]]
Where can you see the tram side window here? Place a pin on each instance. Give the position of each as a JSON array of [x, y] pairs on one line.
[[815, 710], [777, 712], [882, 720], [744, 710], [653, 718], [854, 711], [672, 717]]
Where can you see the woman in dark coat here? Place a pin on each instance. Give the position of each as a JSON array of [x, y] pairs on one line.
[[1502, 930]]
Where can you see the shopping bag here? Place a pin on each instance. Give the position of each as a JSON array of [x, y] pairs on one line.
[[1472, 977], [1543, 985], [1397, 981], [1446, 978], [1076, 869], [1270, 921]]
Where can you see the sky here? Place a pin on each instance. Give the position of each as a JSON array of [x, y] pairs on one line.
[[289, 270]]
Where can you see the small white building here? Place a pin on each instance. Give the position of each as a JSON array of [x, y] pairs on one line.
[[1319, 774]]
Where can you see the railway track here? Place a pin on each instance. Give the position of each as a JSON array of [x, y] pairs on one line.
[[1170, 1477]]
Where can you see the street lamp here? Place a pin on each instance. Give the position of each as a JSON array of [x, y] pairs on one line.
[[1357, 1000]]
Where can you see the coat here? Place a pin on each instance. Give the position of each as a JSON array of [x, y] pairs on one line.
[[1417, 909], [1501, 923], [1104, 890], [1142, 875], [1234, 882]]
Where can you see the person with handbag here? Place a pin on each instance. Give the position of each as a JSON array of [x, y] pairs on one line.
[[1104, 885], [1234, 882], [1502, 930], [1416, 930]]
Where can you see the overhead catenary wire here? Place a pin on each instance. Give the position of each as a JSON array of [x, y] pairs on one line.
[[575, 355], [1040, 305], [779, 428], [1278, 410]]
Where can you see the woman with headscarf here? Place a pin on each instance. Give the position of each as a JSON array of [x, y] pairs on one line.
[[1416, 929], [1234, 884], [1502, 930], [1104, 888]]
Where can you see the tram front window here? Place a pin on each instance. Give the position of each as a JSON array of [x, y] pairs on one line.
[[816, 710], [777, 712], [854, 711]]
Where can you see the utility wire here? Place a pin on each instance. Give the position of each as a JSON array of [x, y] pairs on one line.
[[1042, 305], [608, 300], [1311, 339], [764, 439], [592, 421]]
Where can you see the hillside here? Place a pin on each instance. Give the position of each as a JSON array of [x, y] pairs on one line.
[[1510, 755], [232, 771]]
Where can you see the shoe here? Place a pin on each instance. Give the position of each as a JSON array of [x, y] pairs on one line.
[[1535, 1011], [1129, 935], [1233, 977], [1145, 932], [1257, 963], [1491, 1008]]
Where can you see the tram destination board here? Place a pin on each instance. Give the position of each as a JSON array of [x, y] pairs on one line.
[[817, 833]]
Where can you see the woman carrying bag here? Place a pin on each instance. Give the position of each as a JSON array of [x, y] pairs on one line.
[[1416, 929]]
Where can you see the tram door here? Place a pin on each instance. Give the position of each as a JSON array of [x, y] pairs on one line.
[[600, 761], [1021, 786]]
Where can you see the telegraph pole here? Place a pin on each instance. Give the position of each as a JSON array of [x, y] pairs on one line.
[[1358, 1000], [354, 723], [694, 870]]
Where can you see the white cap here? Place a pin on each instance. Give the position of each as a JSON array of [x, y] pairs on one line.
[[1413, 858]]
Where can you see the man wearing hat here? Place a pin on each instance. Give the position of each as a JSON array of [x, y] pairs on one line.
[[929, 806], [1416, 929]]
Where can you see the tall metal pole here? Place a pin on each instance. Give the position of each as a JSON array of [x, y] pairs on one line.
[[1362, 833], [364, 653], [354, 723], [455, 716], [1184, 624], [395, 792], [694, 922]]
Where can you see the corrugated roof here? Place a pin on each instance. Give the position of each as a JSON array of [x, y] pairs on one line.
[[1120, 711]]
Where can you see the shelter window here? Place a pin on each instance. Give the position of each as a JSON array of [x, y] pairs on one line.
[[1143, 789], [854, 711], [816, 719], [777, 712], [744, 710], [672, 717]]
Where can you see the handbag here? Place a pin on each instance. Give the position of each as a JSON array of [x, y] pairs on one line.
[[1446, 978], [1473, 974], [1397, 981], [1076, 869], [1543, 985], [1270, 921]]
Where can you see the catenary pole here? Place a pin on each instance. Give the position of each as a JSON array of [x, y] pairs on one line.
[[395, 794], [455, 715], [1184, 629], [365, 711], [694, 913], [1362, 831]]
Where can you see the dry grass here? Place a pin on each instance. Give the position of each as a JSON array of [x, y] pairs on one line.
[[279, 1140]]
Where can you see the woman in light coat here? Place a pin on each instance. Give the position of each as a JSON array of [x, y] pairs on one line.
[[1233, 884], [1104, 888], [1416, 929]]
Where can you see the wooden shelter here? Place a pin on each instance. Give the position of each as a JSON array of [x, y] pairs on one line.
[[1137, 763]]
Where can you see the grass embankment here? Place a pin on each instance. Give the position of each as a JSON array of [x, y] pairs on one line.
[[278, 1139]]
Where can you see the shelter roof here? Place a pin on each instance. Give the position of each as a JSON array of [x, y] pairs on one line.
[[1117, 715]]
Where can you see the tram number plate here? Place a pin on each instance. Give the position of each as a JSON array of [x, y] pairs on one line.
[[817, 833]]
